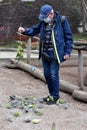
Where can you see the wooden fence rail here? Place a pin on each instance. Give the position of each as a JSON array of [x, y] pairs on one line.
[[80, 46]]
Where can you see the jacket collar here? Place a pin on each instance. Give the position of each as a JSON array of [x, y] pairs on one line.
[[56, 16]]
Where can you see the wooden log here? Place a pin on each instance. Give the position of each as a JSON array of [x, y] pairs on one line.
[[11, 66], [80, 43], [80, 47], [80, 95], [28, 50], [80, 69], [67, 87], [28, 68]]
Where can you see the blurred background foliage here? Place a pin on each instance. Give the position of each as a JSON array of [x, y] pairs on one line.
[[15, 13]]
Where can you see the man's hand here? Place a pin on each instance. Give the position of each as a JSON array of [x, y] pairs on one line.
[[66, 57], [21, 30]]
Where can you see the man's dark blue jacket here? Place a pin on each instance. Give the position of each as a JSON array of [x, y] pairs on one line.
[[62, 35]]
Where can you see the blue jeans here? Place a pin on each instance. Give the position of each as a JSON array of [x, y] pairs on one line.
[[51, 73]]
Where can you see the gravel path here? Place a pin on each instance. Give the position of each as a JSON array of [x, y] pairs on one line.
[[17, 82]]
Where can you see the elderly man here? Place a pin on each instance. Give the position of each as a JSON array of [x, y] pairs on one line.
[[55, 47]]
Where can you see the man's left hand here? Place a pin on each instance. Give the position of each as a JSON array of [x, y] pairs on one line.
[[66, 57]]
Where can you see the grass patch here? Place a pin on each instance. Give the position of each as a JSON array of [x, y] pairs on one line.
[[77, 37]]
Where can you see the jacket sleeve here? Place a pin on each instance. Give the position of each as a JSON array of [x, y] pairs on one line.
[[68, 38], [32, 31]]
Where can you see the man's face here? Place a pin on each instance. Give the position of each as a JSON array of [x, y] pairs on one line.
[[51, 15]]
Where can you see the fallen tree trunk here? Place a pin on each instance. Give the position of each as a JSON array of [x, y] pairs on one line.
[[64, 85], [11, 66], [67, 87], [28, 68], [80, 95]]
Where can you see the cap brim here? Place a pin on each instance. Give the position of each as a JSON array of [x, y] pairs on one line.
[[41, 17]]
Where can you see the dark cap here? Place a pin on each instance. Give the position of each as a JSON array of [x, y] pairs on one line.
[[44, 11]]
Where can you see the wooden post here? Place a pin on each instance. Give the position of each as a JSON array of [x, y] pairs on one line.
[[28, 50], [80, 69]]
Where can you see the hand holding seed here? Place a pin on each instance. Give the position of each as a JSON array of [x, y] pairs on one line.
[[21, 30]]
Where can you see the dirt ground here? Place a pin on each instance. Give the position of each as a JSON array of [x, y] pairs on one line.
[[20, 83]]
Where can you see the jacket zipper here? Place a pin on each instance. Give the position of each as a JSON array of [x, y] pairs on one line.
[[54, 46]]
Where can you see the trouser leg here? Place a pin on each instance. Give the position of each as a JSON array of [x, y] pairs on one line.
[[54, 70], [51, 73], [46, 67]]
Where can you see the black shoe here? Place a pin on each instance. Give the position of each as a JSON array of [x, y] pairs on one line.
[[49, 100], [43, 100]]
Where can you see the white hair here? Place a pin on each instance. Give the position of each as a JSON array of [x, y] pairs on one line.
[[52, 11]]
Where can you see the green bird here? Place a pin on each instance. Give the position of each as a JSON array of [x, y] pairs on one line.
[[19, 55]]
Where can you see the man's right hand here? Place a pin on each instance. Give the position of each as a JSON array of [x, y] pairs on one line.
[[21, 30]]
